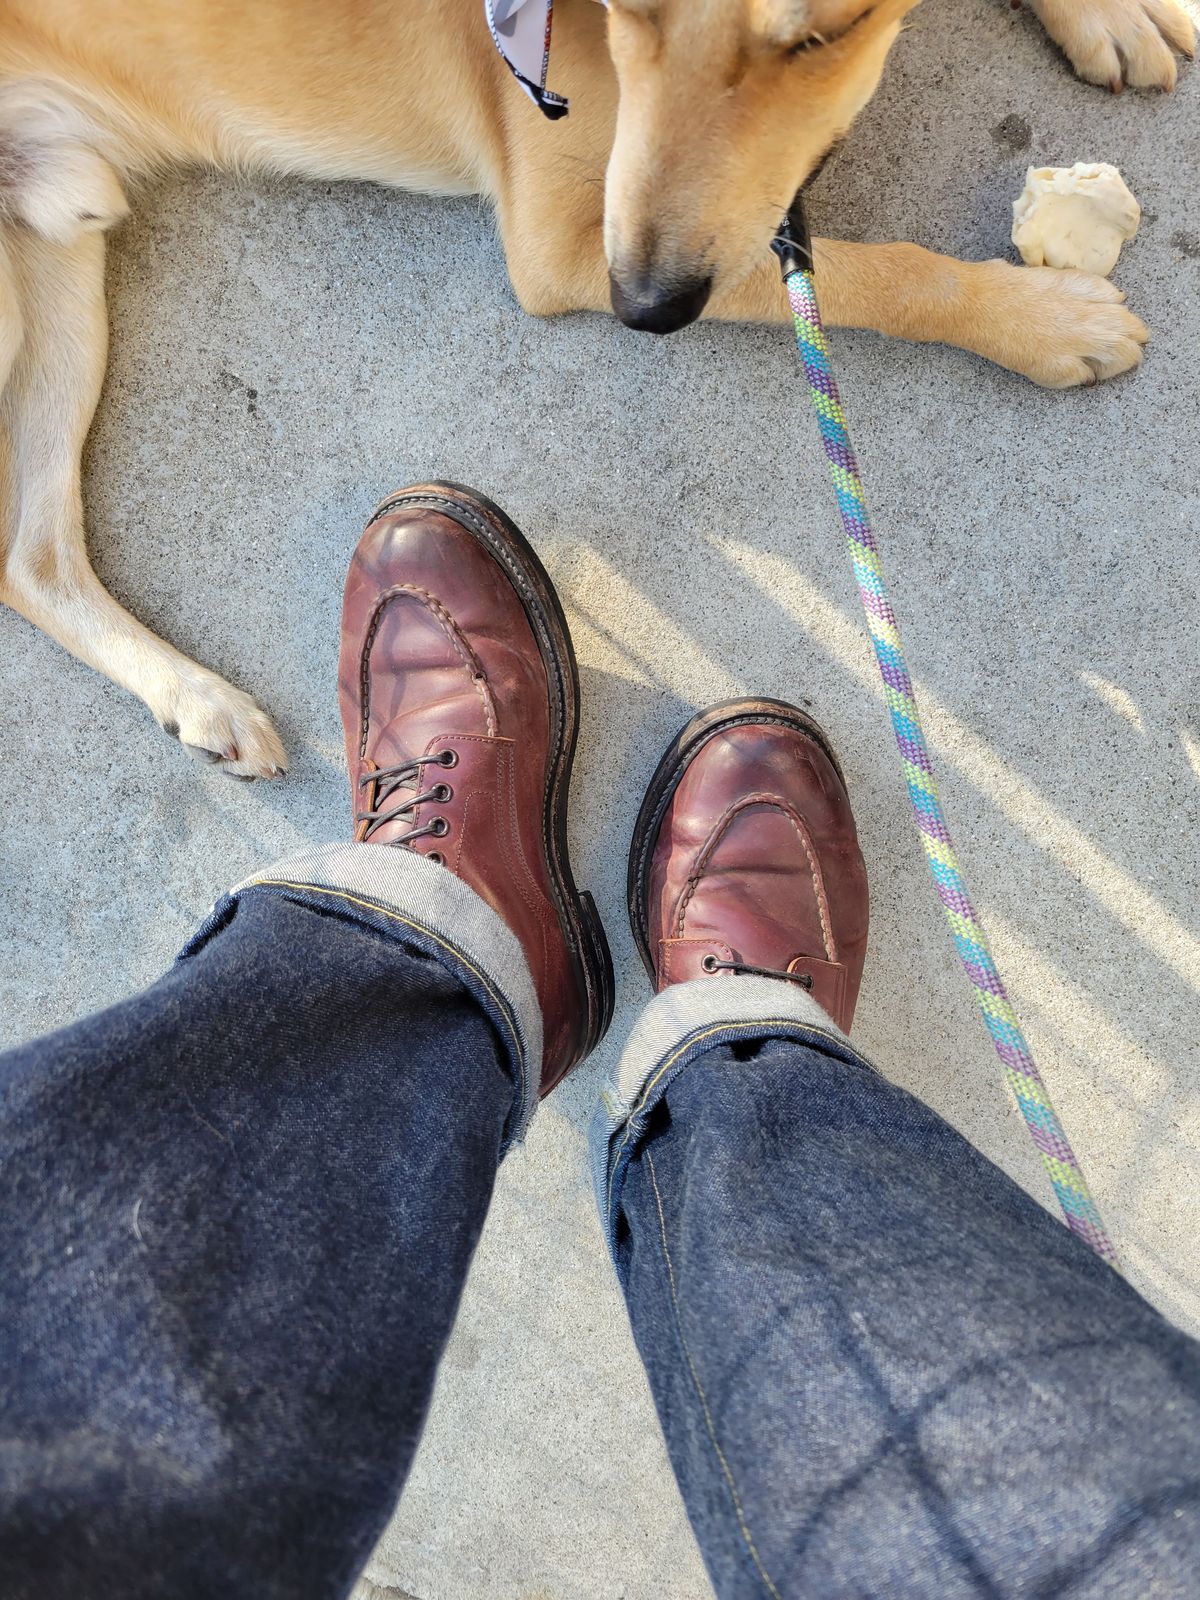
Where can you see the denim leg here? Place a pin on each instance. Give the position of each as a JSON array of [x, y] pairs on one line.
[[236, 1213], [881, 1369]]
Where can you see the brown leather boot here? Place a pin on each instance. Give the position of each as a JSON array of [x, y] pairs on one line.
[[745, 858], [460, 701]]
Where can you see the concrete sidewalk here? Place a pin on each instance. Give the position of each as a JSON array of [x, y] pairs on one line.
[[284, 354]]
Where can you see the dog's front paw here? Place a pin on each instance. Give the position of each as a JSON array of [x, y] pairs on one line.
[[1119, 42], [220, 725], [1060, 328]]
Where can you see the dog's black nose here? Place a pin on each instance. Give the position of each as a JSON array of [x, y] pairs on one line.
[[652, 308]]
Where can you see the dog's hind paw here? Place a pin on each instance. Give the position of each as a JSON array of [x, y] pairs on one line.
[[221, 726], [1120, 42], [1060, 328]]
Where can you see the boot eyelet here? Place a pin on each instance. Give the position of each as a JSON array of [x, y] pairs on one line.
[[709, 964], [439, 827], [435, 858], [448, 758], [806, 981], [443, 792]]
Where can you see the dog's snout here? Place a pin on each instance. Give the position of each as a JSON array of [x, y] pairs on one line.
[[643, 303]]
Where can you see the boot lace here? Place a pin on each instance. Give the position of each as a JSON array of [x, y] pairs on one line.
[[711, 964], [389, 780]]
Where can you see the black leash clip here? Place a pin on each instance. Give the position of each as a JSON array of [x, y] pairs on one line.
[[793, 242]]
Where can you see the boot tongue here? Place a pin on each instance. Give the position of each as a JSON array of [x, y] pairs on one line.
[[388, 794]]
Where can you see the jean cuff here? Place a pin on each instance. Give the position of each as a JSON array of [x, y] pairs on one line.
[[679, 1025], [400, 891]]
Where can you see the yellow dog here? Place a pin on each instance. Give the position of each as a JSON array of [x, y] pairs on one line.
[[705, 116]]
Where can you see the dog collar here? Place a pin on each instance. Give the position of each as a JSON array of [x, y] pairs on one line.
[[521, 32]]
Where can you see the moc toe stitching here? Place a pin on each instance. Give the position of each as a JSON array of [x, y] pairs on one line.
[[453, 633], [654, 824], [722, 826]]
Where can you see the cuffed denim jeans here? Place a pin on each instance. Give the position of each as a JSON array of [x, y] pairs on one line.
[[238, 1210]]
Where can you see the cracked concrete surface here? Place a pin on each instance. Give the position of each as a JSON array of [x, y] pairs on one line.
[[284, 354]]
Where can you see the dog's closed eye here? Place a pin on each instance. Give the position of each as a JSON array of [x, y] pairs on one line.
[[836, 21]]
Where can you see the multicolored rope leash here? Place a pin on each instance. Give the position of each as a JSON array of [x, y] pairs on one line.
[[794, 249]]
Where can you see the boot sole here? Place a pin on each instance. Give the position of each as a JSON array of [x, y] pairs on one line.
[[682, 751], [578, 918]]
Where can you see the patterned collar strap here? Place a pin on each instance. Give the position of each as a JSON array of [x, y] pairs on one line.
[[521, 30]]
